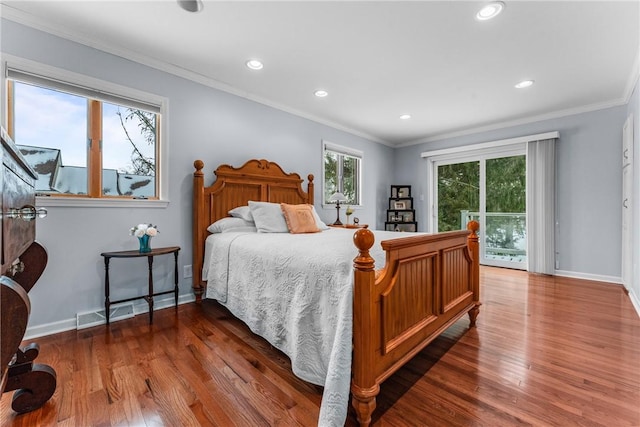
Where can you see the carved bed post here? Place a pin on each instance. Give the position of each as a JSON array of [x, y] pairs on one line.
[[310, 188], [198, 227], [474, 247], [364, 386]]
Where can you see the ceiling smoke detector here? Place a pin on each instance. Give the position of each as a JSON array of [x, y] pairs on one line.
[[191, 5]]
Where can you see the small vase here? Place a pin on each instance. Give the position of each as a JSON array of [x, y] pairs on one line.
[[145, 244]]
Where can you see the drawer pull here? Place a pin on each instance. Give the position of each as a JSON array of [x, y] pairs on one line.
[[12, 213], [26, 213]]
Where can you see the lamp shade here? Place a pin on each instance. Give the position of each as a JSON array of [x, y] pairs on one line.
[[337, 197]]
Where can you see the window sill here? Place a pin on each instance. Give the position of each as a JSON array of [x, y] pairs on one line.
[[342, 206], [83, 202]]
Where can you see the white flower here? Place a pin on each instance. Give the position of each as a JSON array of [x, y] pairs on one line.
[[144, 229]]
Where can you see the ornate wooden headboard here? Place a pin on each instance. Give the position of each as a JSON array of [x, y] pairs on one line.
[[257, 180]]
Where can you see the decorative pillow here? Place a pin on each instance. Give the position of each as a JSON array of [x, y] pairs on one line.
[[300, 218], [321, 225], [268, 217], [243, 212], [232, 224]]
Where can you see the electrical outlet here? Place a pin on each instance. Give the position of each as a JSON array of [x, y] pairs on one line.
[[187, 272]]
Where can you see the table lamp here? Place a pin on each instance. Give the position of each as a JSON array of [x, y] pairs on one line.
[[337, 197]]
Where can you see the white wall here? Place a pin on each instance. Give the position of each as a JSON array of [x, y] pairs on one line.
[[203, 123], [588, 183], [634, 109]]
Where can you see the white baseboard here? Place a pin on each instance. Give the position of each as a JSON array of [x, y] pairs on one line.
[[586, 276], [50, 328], [635, 300], [71, 324]]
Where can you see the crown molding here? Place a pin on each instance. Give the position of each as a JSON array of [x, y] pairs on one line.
[[510, 123]]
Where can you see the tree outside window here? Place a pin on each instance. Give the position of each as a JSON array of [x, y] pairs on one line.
[[341, 174]]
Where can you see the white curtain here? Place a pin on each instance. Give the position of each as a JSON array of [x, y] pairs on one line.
[[541, 208]]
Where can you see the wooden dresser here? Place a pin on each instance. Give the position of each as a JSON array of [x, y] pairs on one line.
[[23, 261]]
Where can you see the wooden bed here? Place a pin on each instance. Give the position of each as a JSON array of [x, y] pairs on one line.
[[427, 284]]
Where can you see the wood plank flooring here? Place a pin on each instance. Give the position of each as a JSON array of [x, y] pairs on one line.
[[547, 351]]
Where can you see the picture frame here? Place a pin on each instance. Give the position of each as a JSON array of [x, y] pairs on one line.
[[410, 227], [393, 204], [400, 191]]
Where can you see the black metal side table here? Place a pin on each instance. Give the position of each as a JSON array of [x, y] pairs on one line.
[[149, 296]]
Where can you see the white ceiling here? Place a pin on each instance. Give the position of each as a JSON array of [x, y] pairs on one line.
[[377, 60]]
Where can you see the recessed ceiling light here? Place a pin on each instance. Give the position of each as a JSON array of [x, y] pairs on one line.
[[321, 93], [524, 83], [490, 10], [254, 64], [405, 117], [191, 5]]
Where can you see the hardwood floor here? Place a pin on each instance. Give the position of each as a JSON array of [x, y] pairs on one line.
[[547, 351]]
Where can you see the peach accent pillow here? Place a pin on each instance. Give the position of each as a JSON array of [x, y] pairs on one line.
[[299, 218]]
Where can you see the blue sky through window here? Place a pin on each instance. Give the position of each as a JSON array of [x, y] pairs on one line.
[[52, 119]]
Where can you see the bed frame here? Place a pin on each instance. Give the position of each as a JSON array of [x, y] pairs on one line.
[[427, 284]]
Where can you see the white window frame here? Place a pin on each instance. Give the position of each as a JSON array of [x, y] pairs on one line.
[[340, 149], [107, 89]]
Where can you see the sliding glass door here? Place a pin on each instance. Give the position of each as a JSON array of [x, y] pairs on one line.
[[492, 190], [505, 224]]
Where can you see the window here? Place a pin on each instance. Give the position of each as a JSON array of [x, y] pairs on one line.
[[83, 141], [342, 173], [509, 177]]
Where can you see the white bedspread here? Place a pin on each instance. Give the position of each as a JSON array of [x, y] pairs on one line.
[[296, 291]]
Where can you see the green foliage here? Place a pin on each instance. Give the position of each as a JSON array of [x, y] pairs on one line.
[[339, 165], [506, 193], [458, 190], [507, 189]]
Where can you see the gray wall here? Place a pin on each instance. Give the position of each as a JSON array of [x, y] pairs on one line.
[[634, 108], [204, 123], [588, 178]]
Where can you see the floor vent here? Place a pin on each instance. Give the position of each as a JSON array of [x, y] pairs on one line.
[[95, 318]]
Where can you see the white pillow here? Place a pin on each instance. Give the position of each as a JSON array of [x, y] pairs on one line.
[[243, 212], [321, 225], [268, 217], [227, 224]]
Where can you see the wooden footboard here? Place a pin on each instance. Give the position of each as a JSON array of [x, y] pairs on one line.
[[428, 283]]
